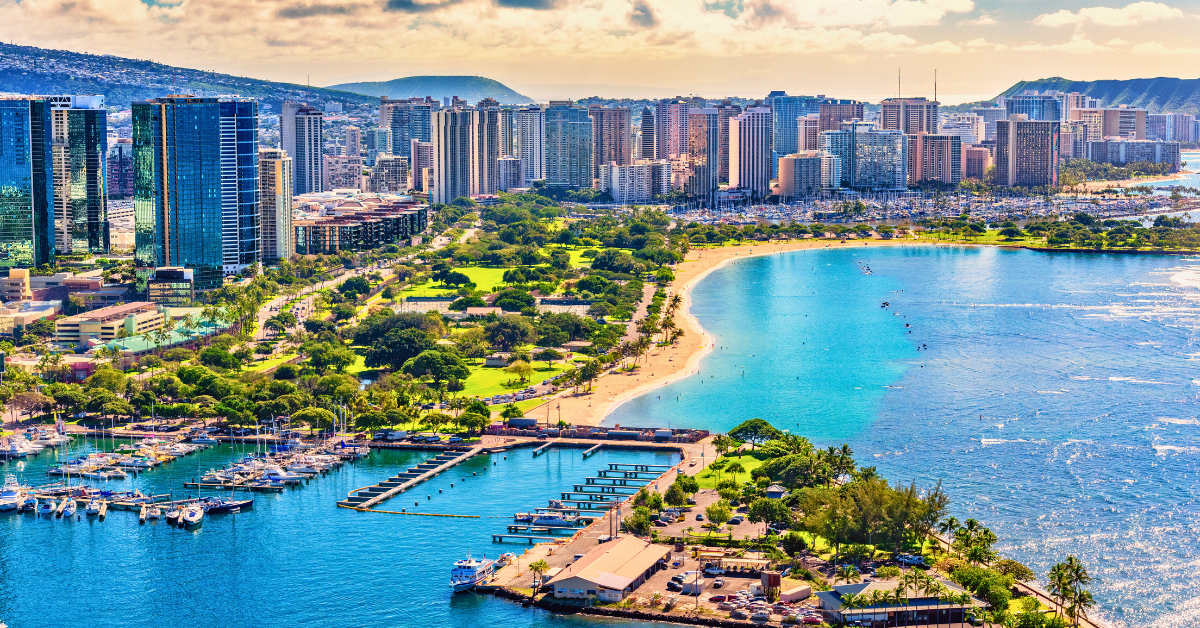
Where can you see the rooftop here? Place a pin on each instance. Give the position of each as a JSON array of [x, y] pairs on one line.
[[615, 565]]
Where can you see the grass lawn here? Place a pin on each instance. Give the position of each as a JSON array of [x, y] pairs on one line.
[[526, 406], [485, 278], [708, 478], [576, 253], [486, 382], [273, 362], [359, 369]]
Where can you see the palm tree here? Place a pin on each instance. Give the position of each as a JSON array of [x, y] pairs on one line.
[[735, 469], [539, 567], [848, 573], [1059, 585]]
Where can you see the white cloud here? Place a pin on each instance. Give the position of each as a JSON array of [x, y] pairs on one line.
[[941, 47], [981, 42], [1079, 43], [1154, 47], [1116, 42], [1128, 15], [982, 20]]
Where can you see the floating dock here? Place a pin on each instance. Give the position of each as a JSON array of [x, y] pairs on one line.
[[501, 538], [371, 496]]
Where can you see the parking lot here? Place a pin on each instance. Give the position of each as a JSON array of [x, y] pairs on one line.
[[704, 499]]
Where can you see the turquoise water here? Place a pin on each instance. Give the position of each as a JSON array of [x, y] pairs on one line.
[[295, 559], [1055, 395]]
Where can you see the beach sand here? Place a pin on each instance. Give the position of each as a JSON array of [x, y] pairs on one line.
[[1128, 183], [663, 365]]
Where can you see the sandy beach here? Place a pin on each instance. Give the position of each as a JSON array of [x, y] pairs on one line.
[[663, 365], [1127, 183]]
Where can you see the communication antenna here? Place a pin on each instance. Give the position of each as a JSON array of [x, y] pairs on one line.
[[935, 85], [897, 82]]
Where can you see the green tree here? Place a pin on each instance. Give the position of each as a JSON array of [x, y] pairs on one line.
[[521, 369], [397, 347], [755, 431], [319, 418], [540, 568], [510, 330], [436, 365], [718, 513], [549, 356], [675, 496], [772, 511]]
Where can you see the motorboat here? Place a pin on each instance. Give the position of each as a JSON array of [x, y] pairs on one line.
[[70, 508], [275, 474], [469, 572], [173, 514], [47, 507], [11, 495], [506, 559], [154, 513], [214, 505], [524, 517], [554, 519], [10, 450], [29, 505], [93, 507], [205, 440], [191, 516]]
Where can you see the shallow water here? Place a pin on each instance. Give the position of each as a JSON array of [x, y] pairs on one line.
[[295, 559], [1055, 395]]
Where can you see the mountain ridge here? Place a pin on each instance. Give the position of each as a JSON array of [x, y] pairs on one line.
[[469, 88]]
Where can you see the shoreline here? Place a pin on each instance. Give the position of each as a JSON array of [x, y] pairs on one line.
[[665, 365]]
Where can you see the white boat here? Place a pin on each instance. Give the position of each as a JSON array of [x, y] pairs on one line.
[[506, 559], [11, 450], [553, 519], [11, 495], [205, 440], [93, 507], [154, 513], [469, 572], [47, 507], [70, 508], [191, 516], [30, 504], [276, 474]]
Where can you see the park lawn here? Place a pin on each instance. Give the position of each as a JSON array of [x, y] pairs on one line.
[[708, 477], [576, 253], [486, 382], [524, 406], [271, 363], [484, 278]]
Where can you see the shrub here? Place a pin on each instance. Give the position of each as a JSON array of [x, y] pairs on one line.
[[887, 572], [286, 371]]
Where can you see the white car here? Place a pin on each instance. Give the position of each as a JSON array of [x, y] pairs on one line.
[[909, 559]]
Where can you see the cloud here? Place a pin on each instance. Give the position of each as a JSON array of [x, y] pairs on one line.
[[642, 14], [1079, 43], [980, 42], [414, 6], [982, 20], [761, 12], [941, 47], [1153, 47], [1116, 42], [1129, 15], [529, 4], [311, 10], [886, 42]]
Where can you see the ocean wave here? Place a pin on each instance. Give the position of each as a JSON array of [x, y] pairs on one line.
[[1049, 392], [1163, 450], [1134, 380], [1173, 421]]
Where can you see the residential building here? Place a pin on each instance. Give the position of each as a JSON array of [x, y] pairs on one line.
[[391, 175], [343, 172], [785, 110], [704, 149], [1073, 139], [750, 151], [568, 146], [530, 132], [934, 159], [26, 176], [511, 174], [910, 116], [408, 119], [611, 571], [1103, 122], [832, 113], [646, 141], [808, 133], [1075, 100], [990, 116], [671, 127], [725, 111], [172, 286], [196, 191], [871, 158], [80, 145], [661, 177], [275, 202], [421, 165], [976, 161], [611, 139], [967, 126], [360, 228], [627, 183], [1124, 152], [452, 150], [1169, 127], [353, 144], [1026, 152], [808, 172], [1035, 106], [104, 324], [120, 169], [377, 141], [301, 131], [491, 139]]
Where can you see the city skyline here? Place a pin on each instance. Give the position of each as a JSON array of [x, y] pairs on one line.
[[635, 48]]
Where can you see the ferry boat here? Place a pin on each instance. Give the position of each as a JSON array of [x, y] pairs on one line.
[[469, 572], [554, 519]]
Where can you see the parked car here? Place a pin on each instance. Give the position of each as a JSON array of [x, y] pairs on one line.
[[699, 516], [674, 586], [455, 439], [909, 559], [718, 583]]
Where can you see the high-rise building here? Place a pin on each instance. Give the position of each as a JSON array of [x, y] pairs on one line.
[[611, 140], [807, 173], [627, 183], [750, 151], [390, 175], [909, 115], [1036, 106], [725, 110], [452, 143], [275, 202], [120, 169], [343, 172], [80, 145], [196, 199], [1073, 139], [834, 112], [785, 110], [1122, 122], [529, 126], [377, 141], [27, 180], [491, 139], [808, 133], [568, 146], [990, 116], [1179, 127], [704, 149], [671, 127], [646, 141], [976, 161], [871, 158], [409, 119], [1123, 152], [421, 165], [934, 159], [511, 174], [353, 145], [301, 131], [1026, 152]]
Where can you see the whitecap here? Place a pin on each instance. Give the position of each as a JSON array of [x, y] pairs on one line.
[[1049, 392], [1173, 421], [1134, 380]]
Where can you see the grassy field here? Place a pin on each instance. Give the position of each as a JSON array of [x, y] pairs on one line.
[[708, 478], [486, 382], [271, 363], [576, 253], [485, 278]]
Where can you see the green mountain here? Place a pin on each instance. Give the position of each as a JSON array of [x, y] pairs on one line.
[[1156, 95], [469, 88], [30, 70]]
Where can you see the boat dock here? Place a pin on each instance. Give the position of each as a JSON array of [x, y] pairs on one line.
[[541, 449], [237, 485], [371, 496], [501, 538], [591, 451]]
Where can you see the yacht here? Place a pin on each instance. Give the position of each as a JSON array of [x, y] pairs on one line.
[[11, 495], [553, 519], [154, 513], [47, 507], [93, 507], [276, 474], [172, 515], [205, 440], [192, 516], [469, 572], [11, 450], [70, 508]]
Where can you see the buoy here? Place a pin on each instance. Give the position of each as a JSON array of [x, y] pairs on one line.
[[429, 497], [439, 490], [452, 485], [416, 503]]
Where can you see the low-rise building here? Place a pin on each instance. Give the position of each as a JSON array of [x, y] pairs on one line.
[[16, 316], [171, 285], [104, 324], [611, 571]]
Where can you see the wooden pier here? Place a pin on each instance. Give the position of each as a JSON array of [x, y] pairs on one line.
[[591, 451], [626, 466], [541, 449], [366, 498], [501, 538], [543, 529]]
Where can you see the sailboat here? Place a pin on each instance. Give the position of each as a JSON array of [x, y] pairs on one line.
[[173, 514], [93, 506], [70, 508]]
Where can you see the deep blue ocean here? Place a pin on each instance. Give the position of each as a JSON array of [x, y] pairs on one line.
[[1055, 395], [295, 559]]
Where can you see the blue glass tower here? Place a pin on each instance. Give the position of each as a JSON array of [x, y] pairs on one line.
[[196, 186], [26, 183]]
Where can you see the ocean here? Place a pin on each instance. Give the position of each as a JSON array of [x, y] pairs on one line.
[[1055, 395]]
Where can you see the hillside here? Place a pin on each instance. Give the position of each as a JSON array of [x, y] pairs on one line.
[[470, 88], [1157, 95], [30, 70]]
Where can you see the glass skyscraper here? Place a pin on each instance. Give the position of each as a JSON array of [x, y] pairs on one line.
[[196, 199], [568, 146], [80, 145], [26, 183]]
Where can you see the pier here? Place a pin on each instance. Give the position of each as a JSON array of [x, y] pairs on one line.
[[541, 449], [500, 538], [591, 451], [370, 496]]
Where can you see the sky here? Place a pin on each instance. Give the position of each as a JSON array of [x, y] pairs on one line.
[[639, 48]]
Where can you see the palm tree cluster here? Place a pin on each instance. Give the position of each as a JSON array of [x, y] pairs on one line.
[[1067, 582], [913, 586]]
